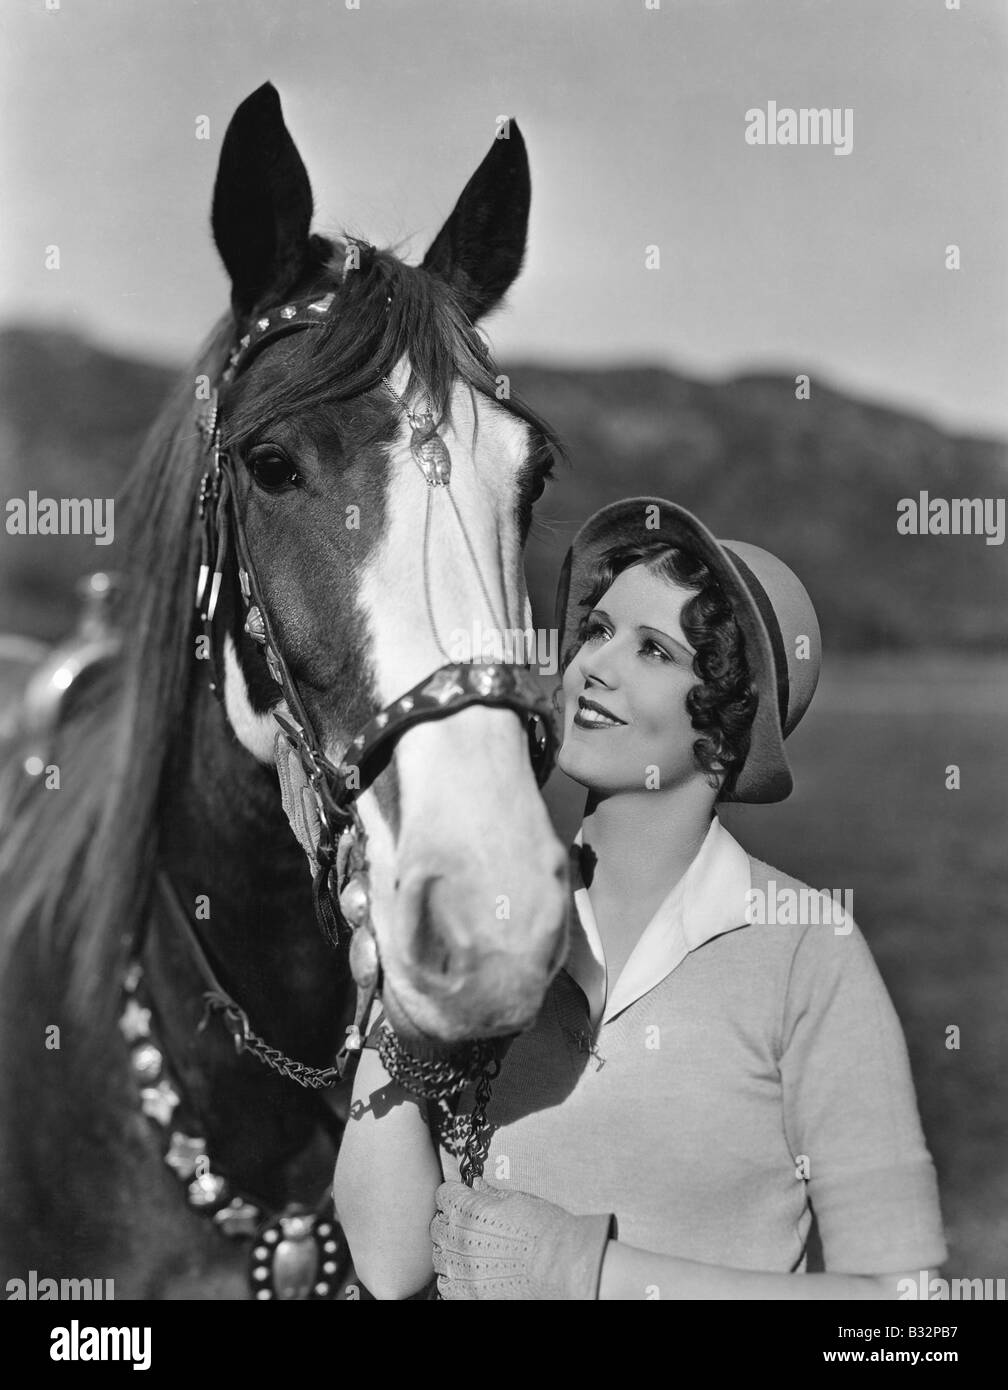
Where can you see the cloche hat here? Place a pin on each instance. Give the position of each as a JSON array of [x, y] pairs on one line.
[[783, 646]]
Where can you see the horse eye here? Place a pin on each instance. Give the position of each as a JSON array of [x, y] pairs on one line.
[[538, 488], [272, 471]]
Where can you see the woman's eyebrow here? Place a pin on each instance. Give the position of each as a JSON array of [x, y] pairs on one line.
[[673, 641], [645, 627]]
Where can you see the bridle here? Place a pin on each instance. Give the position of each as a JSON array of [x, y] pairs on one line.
[[340, 887], [299, 1252]]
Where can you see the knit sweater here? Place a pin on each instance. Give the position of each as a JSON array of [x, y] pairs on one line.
[[765, 1077]]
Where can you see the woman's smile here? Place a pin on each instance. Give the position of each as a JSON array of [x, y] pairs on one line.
[[591, 715]]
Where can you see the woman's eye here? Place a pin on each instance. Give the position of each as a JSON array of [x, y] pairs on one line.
[[653, 649], [592, 631], [272, 471]]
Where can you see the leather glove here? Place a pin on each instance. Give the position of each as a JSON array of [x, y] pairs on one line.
[[491, 1243]]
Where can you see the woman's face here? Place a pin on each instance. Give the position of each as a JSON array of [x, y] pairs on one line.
[[636, 665]]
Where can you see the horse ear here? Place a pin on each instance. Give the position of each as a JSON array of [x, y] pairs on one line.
[[479, 250], [262, 203]]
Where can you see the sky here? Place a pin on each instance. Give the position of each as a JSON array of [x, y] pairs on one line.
[[782, 257]]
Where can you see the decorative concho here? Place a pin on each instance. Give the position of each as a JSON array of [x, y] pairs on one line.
[[255, 626], [298, 1256], [146, 1061], [239, 1219], [487, 680], [134, 1022], [355, 904], [206, 1191], [443, 687], [159, 1102], [184, 1154], [364, 963]]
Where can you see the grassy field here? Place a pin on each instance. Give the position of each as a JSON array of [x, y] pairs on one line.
[[929, 870]]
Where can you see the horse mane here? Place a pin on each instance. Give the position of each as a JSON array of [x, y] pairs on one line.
[[76, 864]]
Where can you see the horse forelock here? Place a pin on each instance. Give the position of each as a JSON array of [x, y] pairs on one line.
[[382, 314]]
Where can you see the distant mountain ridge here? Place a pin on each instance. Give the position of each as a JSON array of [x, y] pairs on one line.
[[816, 481]]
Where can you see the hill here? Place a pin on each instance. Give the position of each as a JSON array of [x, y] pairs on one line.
[[817, 481]]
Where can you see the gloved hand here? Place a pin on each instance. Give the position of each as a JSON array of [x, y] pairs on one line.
[[491, 1243]]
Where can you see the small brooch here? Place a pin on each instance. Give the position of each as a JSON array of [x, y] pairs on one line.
[[430, 450], [582, 1040]]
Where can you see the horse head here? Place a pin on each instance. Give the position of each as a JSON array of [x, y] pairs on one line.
[[373, 578]]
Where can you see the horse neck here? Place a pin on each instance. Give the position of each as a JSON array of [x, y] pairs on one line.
[[223, 837]]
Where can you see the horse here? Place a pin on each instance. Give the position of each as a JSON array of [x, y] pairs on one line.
[[349, 483]]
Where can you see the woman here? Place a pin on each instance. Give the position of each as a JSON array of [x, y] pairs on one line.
[[697, 1082]]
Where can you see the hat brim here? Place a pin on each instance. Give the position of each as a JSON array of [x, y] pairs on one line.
[[766, 774]]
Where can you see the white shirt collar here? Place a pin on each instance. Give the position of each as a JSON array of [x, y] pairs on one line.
[[709, 900]]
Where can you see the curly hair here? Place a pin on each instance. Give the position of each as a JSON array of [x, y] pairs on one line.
[[723, 705]]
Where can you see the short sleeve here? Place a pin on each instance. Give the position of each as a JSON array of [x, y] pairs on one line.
[[850, 1111]]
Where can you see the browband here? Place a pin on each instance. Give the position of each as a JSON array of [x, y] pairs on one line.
[[277, 323]]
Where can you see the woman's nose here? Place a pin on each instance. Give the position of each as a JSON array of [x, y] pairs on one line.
[[599, 665]]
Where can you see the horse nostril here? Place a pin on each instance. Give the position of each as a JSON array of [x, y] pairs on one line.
[[430, 949]]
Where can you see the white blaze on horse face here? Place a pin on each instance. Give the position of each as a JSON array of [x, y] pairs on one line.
[[256, 732], [476, 855]]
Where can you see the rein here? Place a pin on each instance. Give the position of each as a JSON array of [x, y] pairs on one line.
[[216, 999]]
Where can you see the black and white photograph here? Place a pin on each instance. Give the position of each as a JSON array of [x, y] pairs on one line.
[[504, 665]]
